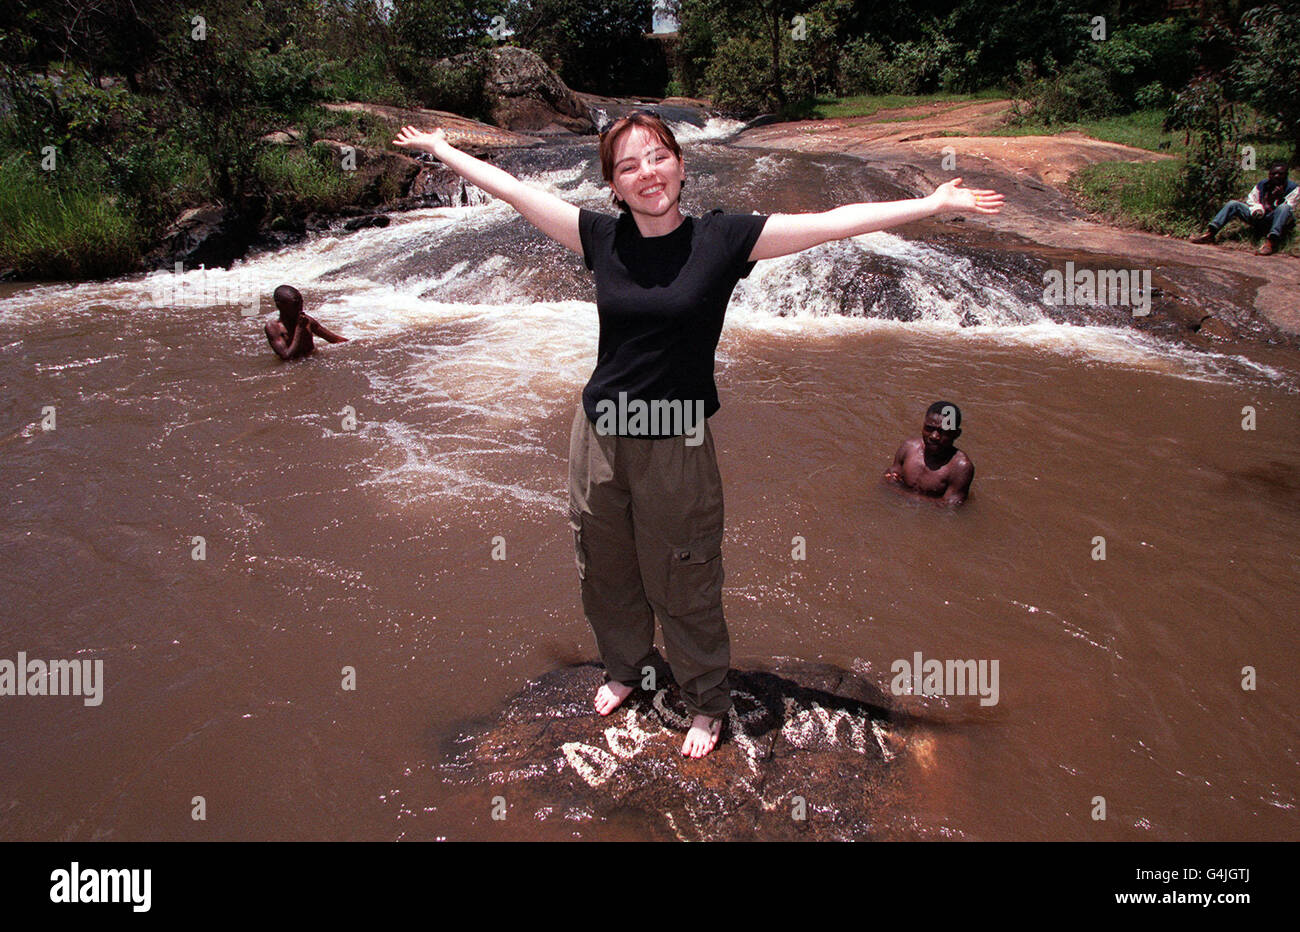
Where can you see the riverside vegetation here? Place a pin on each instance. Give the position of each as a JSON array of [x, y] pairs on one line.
[[116, 116]]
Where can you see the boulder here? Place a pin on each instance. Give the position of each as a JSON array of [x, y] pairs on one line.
[[526, 95], [439, 185], [282, 138], [210, 236], [807, 752], [361, 223], [1213, 327]]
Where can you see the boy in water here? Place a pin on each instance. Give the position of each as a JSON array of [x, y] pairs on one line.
[[290, 336], [930, 464]]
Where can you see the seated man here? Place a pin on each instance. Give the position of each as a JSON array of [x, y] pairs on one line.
[[930, 464], [290, 336], [1270, 205]]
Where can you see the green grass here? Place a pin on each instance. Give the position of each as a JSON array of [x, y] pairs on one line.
[[1140, 129], [358, 128], [304, 182], [50, 229], [366, 79], [868, 104], [1135, 194], [1144, 195]]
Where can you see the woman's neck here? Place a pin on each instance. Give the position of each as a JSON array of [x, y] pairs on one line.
[[650, 225]]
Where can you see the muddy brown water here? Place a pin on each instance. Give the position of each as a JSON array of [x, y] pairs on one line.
[[372, 547]]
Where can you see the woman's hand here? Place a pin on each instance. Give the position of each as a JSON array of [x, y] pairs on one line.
[[412, 138], [952, 196]]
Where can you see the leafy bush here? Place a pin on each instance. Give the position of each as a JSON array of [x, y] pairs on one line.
[[1136, 55], [1116, 75], [962, 73], [864, 68], [367, 78], [1153, 96], [915, 67], [449, 84], [1212, 173], [1081, 92], [108, 140], [740, 77]]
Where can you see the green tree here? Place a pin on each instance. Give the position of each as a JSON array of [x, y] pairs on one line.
[[235, 73], [442, 28], [741, 27], [1264, 72], [591, 44]]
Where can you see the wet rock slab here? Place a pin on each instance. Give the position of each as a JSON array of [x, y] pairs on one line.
[[806, 753]]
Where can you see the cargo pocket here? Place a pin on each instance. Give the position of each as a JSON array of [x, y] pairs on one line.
[[579, 555], [695, 576]]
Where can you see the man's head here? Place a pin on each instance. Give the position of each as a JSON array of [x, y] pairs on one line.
[[289, 303], [1277, 173], [639, 152], [942, 426]]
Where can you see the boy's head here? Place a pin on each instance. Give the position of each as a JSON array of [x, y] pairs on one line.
[[1277, 172], [942, 425], [288, 301]]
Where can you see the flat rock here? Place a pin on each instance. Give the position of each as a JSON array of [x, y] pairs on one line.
[[805, 754], [461, 131]]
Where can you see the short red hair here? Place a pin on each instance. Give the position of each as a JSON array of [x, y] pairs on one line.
[[609, 140]]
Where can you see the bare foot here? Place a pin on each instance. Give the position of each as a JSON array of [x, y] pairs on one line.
[[703, 736], [610, 696]]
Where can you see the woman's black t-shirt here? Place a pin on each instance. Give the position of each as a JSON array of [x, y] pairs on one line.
[[661, 301]]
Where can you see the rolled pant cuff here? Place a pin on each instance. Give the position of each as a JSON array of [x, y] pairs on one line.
[[713, 709]]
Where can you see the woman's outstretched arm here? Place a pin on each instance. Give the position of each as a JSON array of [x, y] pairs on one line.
[[554, 216], [784, 234]]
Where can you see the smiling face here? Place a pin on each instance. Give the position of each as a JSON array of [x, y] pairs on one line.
[[647, 176], [1277, 176]]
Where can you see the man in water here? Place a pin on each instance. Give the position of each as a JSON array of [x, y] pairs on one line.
[[930, 464], [1271, 205], [290, 336]]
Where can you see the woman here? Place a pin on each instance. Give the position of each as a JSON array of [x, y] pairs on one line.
[[645, 497]]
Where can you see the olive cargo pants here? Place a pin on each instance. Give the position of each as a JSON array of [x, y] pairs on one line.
[[646, 516]]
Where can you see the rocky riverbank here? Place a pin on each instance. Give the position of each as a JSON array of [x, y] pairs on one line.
[[1203, 293], [1208, 292]]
